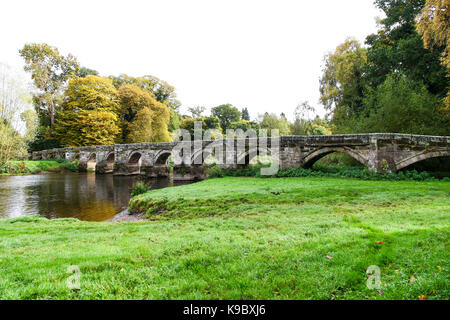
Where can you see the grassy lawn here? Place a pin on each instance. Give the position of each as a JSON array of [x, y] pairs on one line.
[[252, 238], [37, 166]]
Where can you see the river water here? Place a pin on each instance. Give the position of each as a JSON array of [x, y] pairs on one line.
[[88, 197]]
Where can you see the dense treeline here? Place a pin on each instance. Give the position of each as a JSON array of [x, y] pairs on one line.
[[399, 81]]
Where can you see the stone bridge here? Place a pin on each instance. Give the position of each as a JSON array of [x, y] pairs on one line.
[[380, 152]]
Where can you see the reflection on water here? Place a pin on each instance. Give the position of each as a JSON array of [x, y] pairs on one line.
[[87, 197]]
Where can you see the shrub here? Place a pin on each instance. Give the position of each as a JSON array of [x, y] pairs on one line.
[[215, 172], [335, 172], [140, 188]]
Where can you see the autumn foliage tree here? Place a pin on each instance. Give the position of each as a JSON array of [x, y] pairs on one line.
[[434, 26], [143, 118], [88, 115]]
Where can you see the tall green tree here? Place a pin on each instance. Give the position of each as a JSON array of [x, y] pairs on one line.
[[303, 115], [50, 72], [402, 105], [245, 114], [83, 72], [208, 123], [245, 125], [272, 121], [355, 76], [17, 119], [398, 47], [227, 114], [197, 111], [342, 85]]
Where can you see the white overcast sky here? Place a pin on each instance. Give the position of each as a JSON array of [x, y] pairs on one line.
[[264, 55]]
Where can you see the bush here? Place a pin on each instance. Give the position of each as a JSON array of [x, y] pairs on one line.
[[333, 172], [215, 172], [140, 188]]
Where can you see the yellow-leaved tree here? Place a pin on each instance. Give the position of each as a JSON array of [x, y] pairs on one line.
[[434, 26], [144, 119], [140, 130], [89, 113]]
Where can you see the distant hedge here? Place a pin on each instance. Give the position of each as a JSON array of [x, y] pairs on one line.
[[332, 171]]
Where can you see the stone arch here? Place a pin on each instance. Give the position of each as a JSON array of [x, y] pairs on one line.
[[420, 157], [110, 159], [207, 151], [134, 163], [254, 151], [162, 157], [316, 155], [92, 162]]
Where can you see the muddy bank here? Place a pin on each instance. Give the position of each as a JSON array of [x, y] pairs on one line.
[[127, 216]]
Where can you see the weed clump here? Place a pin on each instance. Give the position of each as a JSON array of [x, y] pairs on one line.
[[140, 188]]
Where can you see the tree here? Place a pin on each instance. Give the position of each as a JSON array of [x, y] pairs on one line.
[[341, 85], [141, 130], [397, 47], [92, 128], [271, 122], [434, 26], [226, 114], [320, 127], [351, 76], [158, 89], [175, 120], [83, 72], [208, 123], [15, 111], [30, 119], [88, 115], [50, 72], [245, 125], [197, 111], [133, 100], [404, 106], [303, 115], [160, 124], [11, 143], [245, 114]]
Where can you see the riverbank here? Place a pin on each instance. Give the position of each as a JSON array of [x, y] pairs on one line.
[[38, 166], [243, 238]]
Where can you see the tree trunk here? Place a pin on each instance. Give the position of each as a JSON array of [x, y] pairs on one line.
[[52, 118]]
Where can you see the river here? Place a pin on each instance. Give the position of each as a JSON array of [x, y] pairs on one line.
[[87, 197]]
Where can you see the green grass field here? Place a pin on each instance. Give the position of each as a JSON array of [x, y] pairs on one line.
[[17, 167], [235, 238]]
